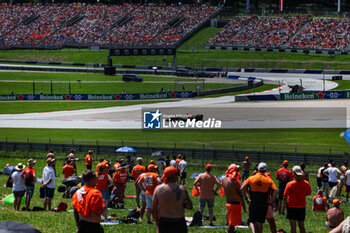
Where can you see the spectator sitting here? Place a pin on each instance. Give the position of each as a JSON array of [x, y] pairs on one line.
[[334, 215], [319, 202], [68, 169]]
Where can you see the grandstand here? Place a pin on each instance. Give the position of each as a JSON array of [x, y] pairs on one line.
[[127, 25]]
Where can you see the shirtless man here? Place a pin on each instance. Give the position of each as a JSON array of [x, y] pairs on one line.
[[169, 203], [245, 169], [233, 194], [88, 205]]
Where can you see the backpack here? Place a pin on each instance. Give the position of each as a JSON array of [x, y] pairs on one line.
[[197, 219], [135, 214]]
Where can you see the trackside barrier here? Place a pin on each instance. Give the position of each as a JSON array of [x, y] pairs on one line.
[[310, 95], [257, 97]]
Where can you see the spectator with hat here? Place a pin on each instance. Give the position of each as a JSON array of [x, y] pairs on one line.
[[169, 206], [319, 202], [260, 187], [68, 170], [283, 175], [118, 163], [18, 187], [151, 180], [245, 169], [334, 215], [49, 182], [136, 172], [52, 156], [88, 160], [29, 179], [206, 182], [295, 199], [104, 182], [120, 185], [178, 160], [99, 164]]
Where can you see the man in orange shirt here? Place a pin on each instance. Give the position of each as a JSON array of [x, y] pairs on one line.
[[88, 205], [118, 163], [283, 175], [136, 172], [68, 169], [206, 181], [259, 187], [120, 185], [319, 202], [151, 180], [294, 199], [99, 164], [88, 160]]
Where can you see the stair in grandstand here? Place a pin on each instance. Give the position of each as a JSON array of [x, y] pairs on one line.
[[296, 34], [30, 19], [122, 21], [173, 21], [75, 19], [177, 23]]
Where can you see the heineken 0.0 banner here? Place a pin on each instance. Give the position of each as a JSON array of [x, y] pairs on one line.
[[311, 95]]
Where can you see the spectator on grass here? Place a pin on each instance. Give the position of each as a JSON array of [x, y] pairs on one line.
[[99, 164], [283, 175], [325, 185], [305, 174], [343, 227], [173, 162], [138, 183], [168, 206], [259, 186], [120, 185], [88, 160], [151, 180], [334, 215], [319, 177], [183, 170], [29, 179], [71, 156], [343, 169], [347, 184], [104, 182], [118, 163], [319, 202], [68, 170], [332, 173], [161, 166], [18, 187], [294, 197], [136, 172], [49, 182], [167, 161], [206, 182], [52, 156], [88, 205], [245, 169]]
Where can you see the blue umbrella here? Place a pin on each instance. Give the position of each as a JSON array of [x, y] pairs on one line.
[[126, 149], [9, 170]]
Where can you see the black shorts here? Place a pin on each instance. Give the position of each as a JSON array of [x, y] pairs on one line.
[[19, 193], [347, 188], [257, 212], [297, 214], [281, 189], [88, 167], [319, 181], [332, 184], [172, 225], [89, 227], [183, 176]]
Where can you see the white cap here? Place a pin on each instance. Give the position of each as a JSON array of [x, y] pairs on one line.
[[138, 159], [262, 166]]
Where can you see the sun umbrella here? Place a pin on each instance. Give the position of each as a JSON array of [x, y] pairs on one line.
[[9, 170], [195, 175], [16, 227], [221, 177], [72, 181], [126, 149]]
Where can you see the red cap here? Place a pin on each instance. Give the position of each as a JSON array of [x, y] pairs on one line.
[[208, 166], [169, 172], [90, 152], [336, 202], [246, 158], [285, 162], [151, 162], [179, 155], [151, 168]]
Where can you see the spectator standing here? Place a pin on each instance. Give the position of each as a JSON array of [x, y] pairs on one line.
[[104, 182], [319, 178], [232, 188], [88, 205], [325, 185], [29, 179], [136, 172], [343, 169], [245, 169], [332, 173], [305, 174], [120, 185], [88, 160], [173, 162], [183, 170], [71, 156], [49, 182], [52, 156], [161, 166], [178, 160], [151, 181], [18, 187], [99, 164], [347, 184], [206, 181], [130, 162], [295, 200], [319, 202], [259, 187], [169, 203], [283, 175], [167, 161], [68, 170], [118, 163], [334, 215]]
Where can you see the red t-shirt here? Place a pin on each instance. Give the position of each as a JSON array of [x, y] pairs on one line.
[[137, 171], [87, 199], [120, 177], [150, 182], [102, 181], [284, 175], [68, 171], [206, 183], [29, 174], [296, 192], [319, 202], [88, 160]]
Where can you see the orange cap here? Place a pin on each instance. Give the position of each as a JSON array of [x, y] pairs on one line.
[[336, 202], [169, 172], [151, 167], [285, 162], [246, 158], [151, 162], [208, 166], [90, 152], [179, 155]]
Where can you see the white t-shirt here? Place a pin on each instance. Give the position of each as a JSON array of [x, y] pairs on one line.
[[347, 174], [18, 182], [49, 173], [173, 163], [183, 165], [333, 172]]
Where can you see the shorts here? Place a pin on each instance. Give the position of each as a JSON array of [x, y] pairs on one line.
[[281, 189], [342, 180], [297, 214], [269, 214], [257, 212], [172, 225], [319, 182], [89, 227], [347, 188], [88, 167], [29, 191], [149, 201], [234, 213], [183, 176], [19, 193], [332, 184], [143, 197], [48, 193], [245, 175], [210, 203], [105, 194], [325, 185]]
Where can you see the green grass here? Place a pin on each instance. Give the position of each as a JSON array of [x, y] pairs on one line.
[[342, 85], [192, 53], [50, 222]]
